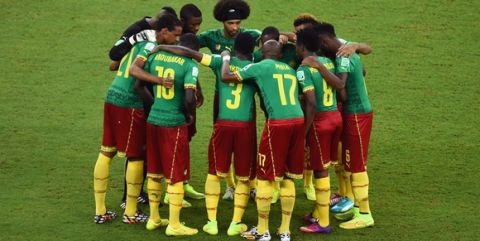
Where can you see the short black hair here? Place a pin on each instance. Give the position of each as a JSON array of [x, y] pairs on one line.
[[305, 18], [225, 7], [189, 10], [170, 10], [244, 43], [326, 29], [308, 38], [190, 40], [168, 21], [272, 32]]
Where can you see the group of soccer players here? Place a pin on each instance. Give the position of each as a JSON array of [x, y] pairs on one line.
[[311, 89]]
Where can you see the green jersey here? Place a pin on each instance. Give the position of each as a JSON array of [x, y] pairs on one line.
[[121, 91], [168, 106], [357, 95], [289, 56], [216, 41], [278, 88], [310, 79], [235, 100]]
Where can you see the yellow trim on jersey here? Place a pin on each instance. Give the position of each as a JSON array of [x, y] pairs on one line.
[[108, 148], [142, 57], [206, 60], [238, 76], [189, 86], [308, 88]]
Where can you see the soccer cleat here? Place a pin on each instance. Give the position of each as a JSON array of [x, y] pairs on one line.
[[236, 229], [309, 218], [250, 234], [347, 215], [359, 221], [316, 228], [229, 194], [284, 236], [181, 231], [191, 193], [344, 205], [185, 204], [107, 217], [143, 198], [152, 225], [310, 192], [275, 196], [263, 237], [139, 217], [123, 205], [253, 193], [335, 198], [211, 228]]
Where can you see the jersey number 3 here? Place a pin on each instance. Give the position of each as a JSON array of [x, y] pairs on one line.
[[236, 97], [163, 92]]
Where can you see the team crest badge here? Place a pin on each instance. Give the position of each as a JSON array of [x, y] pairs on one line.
[[218, 46]]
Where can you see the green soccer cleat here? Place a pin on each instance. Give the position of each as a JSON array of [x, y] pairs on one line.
[[185, 204], [211, 228], [181, 231], [310, 192], [152, 225], [275, 196], [236, 229], [190, 192], [359, 221], [347, 215]]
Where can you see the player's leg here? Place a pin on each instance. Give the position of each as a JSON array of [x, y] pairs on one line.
[[190, 192], [358, 128], [308, 188]]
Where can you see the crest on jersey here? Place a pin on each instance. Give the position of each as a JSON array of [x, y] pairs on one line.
[[301, 75], [218, 46], [195, 72], [246, 67]]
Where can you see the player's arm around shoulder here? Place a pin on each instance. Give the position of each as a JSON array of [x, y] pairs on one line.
[[227, 75]]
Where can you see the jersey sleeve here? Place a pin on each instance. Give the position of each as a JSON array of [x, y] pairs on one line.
[[123, 46], [257, 56], [203, 38], [191, 77], [145, 51], [254, 32], [214, 61], [305, 80], [343, 65], [247, 72]]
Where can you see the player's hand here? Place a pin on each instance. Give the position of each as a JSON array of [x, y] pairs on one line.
[[167, 83], [199, 98], [145, 35], [346, 50], [189, 119], [283, 39], [225, 53]]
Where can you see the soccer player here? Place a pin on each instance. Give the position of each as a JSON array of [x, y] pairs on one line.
[[324, 134], [191, 18], [124, 133], [289, 55], [357, 125], [167, 132], [230, 13], [280, 155]]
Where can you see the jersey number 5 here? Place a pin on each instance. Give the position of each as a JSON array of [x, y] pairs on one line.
[[236, 95], [163, 92], [281, 89]]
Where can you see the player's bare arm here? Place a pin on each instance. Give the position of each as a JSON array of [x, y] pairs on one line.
[[189, 104], [180, 50], [310, 105], [347, 50], [114, 65], [199, 95], [142, 91], [342, 92], [227, 75], [137, 71], [332, 79]]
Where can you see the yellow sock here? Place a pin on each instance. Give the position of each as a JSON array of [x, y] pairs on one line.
[[348, 185], [287, 199], [253, 184], [212, 194], [322, 204], [134, 177], [175, 193], [276, 186], [340, 179], [230, 178], [100, 181], [307, 178], [242, 194], [263, 198], [154, 189], [360, 189]]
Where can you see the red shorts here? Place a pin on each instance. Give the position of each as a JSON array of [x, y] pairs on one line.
[[168, 152], [281, 150], [123, 131], [232, 137], [355, 140], [323, 139]]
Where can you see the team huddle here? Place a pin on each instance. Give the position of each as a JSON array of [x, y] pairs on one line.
[[311, 88]]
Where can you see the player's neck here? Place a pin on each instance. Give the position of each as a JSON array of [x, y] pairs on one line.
[[308, 54]]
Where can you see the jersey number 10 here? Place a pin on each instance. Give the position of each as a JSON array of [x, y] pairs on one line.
[[163, 92]]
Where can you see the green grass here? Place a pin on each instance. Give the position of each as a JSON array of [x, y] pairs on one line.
[[422, 78]]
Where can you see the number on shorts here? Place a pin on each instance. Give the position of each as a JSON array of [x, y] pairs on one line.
[[261, 159]]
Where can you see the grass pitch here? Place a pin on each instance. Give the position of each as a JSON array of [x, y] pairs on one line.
[[422, 79]]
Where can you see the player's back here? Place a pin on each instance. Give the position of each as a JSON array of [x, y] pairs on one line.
[[357, 94], [168, 106], [325, 95], [278, 87]]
